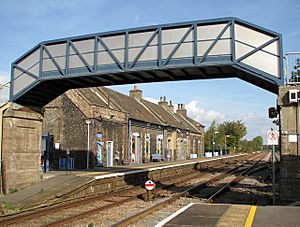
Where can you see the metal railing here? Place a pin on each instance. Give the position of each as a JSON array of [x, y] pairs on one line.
[[292, 68]]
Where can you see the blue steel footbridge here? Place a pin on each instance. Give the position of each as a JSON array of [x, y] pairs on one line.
[[208, 49]]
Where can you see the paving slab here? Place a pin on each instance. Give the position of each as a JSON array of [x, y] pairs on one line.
[[285, 216], [235, 215], [199, 215]]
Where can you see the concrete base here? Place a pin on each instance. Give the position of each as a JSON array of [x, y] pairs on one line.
[[21, 145]]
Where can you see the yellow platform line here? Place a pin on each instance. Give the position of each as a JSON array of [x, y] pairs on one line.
[[250, 217]]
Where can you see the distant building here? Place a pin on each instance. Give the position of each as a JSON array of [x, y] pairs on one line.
[[122, 129]]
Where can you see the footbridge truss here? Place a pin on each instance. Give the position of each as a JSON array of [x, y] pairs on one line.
[[219, 48]]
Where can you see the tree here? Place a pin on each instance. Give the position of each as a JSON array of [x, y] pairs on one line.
[[257, 143], [208, 138], [235, 130]]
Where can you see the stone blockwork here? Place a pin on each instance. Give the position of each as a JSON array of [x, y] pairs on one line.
[[21, 145], [289, 121], [138, 129], [289, 179], [289, 182]]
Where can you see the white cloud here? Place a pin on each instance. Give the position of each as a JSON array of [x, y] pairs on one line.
[[199, 114], [137, 18], [257, 125]]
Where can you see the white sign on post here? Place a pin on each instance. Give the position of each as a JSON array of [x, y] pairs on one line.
[[273, 137], [149, 185]]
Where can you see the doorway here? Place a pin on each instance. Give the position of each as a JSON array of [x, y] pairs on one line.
[[110, 148]]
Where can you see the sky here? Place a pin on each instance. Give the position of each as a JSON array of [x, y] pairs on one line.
[[23, 24]]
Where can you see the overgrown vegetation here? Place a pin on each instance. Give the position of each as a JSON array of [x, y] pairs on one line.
[[6, 208], [296, 71], [229, 135], [13, 190]]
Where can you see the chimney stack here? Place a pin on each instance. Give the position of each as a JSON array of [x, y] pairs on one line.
[[136, 93], [181, 110], [163, 102], [171, 107]]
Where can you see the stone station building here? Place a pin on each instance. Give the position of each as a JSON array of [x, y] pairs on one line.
[[121, 129]]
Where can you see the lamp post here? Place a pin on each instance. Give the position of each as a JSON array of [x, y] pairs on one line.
[[215, 132], [88, 122], [226, 136]]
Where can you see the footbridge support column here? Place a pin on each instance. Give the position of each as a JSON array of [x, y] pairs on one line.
[[289, 107], [21, 147]]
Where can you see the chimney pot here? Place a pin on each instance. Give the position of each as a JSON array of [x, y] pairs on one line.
[[163, 101], [171, 107], [181, 110], [136, 93]]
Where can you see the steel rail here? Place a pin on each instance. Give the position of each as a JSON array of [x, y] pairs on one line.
[[114, 203], [142, 214], [86, 199], [235, 181]]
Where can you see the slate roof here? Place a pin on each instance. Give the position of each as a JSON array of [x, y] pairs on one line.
[[143, 111], [171, 118], [188, 124]]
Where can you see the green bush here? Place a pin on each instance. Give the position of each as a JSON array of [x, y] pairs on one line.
[[13, 190]]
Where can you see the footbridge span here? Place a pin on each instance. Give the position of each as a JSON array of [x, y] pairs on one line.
[[219, 48]]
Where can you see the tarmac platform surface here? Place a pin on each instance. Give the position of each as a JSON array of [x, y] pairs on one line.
[[233, 215]]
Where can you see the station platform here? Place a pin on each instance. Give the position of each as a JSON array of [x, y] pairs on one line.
[[233, 215], [56, 183]]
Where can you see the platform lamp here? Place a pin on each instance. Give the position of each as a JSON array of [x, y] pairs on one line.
[[88, 122], [214, 135], [226, 136]]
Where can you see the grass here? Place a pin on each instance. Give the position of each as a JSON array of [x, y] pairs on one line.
[[8, 207], [13, 190]]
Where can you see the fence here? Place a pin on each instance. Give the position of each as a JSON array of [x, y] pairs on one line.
[[292, 69]]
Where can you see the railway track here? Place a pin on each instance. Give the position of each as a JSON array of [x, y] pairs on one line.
[[69, 212], [240, 175]]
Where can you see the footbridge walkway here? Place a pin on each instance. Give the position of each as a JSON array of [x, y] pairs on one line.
[[219, 48]]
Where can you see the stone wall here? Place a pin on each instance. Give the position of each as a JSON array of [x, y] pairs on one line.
[[65, 118], [66, 121], [289, 184], [21, 147], [290, 121], [289, 180], [111, 131]]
